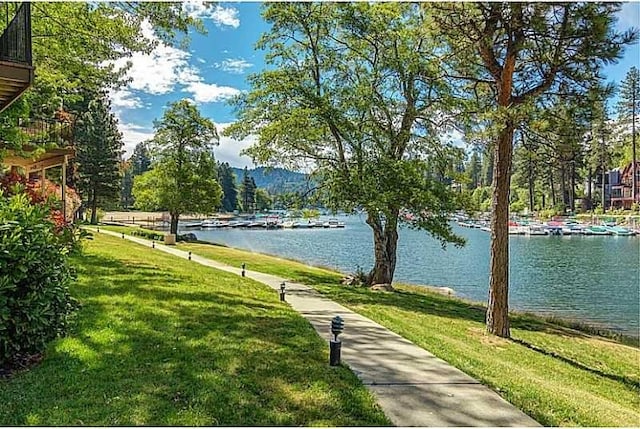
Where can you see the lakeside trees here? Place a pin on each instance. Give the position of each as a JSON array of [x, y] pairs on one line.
[[354, 90], [507, 56], [628, 109], [183, 174]]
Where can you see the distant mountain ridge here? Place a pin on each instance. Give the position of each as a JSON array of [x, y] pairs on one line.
[[275, 180]]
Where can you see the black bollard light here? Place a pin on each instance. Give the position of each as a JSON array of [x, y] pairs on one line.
[[98, 229], [282, 286], [335, 345], [123, 235], [243, 269], [153, 244], [189, 254]]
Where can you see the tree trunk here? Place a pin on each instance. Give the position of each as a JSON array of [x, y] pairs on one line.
[[563, 187], [634, 178], [604, 208], [589, 186], [572, 190], [385, 241], [498, 308], [553, 191], [94, 207], [174, 223]]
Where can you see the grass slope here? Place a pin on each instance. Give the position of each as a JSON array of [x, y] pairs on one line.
[[559, 376], [162, 342]]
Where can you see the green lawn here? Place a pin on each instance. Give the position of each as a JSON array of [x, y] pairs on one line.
[[559, 376], [162, 341]]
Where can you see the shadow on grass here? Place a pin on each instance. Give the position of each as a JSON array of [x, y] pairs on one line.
[[622, 379], [448, 307], [157, 346]]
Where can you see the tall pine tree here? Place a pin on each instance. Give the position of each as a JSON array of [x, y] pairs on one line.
[[140, 159], [99, 152], [247, 192], [227, 180], [628, 110]]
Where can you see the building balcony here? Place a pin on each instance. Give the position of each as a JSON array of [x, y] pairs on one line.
[[16, 68]]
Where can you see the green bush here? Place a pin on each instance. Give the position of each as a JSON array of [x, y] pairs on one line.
[[150, 235], [35, 304]]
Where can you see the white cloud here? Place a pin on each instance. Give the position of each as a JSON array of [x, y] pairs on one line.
[[159, 71], [201, 60], [219, 15], [124, 99], [210, 92], [229, 149], [132, 135], [236, 66]]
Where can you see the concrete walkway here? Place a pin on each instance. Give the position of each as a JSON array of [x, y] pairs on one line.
[[413, 387]]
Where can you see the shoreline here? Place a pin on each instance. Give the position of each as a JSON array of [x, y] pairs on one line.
[[592, 328], [577, 325]]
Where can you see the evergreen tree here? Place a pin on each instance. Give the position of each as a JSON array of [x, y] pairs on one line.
[[248, 192], [140, 159], [227, 180], [486, 175], [515, 55], [99, 152], [628, 110], [473, 170], [126, 196]]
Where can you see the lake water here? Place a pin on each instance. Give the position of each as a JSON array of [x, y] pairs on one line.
[[593, 279]]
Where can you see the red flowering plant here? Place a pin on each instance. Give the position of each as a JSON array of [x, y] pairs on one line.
[[49, 195]]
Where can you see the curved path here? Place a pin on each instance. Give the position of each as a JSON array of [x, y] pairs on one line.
[[412, 386]]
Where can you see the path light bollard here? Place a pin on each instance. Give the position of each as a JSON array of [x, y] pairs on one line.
[[189, 254], [153, 244], [98, 229], [337, 326], [123, 235], [282, 286], [243, 269]]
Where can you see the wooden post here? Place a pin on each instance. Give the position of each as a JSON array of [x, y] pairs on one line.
[[43, 177], [64, 188]]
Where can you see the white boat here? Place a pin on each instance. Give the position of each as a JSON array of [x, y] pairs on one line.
[[290, 224], [208, 223], [333, 223], [536, 230], [485, 228]]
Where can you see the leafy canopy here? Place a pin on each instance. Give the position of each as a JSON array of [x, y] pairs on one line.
[[353, 92], [183, 177]]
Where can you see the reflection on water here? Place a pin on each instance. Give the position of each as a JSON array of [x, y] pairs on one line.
[[588, 278]]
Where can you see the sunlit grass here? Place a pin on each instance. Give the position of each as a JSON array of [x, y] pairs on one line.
[[557, 375], [162, 341]]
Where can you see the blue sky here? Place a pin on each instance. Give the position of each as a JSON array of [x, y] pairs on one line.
[[214, 68]]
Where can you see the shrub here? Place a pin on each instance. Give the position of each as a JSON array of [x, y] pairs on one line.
[[35, 304], [150, 235]]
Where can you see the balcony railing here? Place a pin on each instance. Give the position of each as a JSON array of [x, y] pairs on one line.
[[41, 131], [15, 42]]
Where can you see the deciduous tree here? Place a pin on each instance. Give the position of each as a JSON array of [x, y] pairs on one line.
[[183, 177], [354, 92]]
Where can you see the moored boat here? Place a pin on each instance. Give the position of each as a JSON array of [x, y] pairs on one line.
[[597, 230], [535, 229], [620, 230]]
